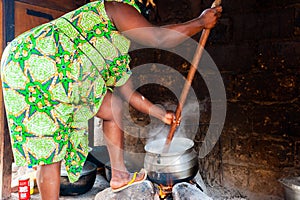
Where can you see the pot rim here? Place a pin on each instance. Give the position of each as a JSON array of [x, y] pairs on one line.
[[292, 183], [158, 150]]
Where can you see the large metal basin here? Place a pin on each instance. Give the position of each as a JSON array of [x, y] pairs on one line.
[[291, 188], [179, 164]]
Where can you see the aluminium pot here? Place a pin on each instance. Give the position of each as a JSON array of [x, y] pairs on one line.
[[291, 188], [179, 164]]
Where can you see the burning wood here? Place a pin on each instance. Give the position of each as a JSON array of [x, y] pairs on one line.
[[164, 191]]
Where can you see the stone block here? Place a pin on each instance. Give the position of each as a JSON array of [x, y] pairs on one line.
[[143, 191], [188, 191]]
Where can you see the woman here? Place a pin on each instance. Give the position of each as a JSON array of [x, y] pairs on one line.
[[60, 74]]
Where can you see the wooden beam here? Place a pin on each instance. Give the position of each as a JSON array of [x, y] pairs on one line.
[[9, 20], [28, 16], [5, 146]]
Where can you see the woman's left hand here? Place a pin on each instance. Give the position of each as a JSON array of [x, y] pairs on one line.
[[209, 17]]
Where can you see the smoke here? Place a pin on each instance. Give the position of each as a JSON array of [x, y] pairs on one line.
[[188, 127]]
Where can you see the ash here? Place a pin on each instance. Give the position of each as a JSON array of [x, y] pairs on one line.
[[222, 193]]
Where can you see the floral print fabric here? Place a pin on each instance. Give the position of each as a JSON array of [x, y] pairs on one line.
[[54, 78]]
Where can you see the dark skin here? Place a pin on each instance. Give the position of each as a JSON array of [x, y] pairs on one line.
[[153, 36], [165, 36], [134, 26]]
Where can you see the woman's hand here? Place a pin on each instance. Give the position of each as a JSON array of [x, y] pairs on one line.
[[170, 118], [209, 17]]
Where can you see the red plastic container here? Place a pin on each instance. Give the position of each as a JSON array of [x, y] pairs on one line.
[[24, 189]]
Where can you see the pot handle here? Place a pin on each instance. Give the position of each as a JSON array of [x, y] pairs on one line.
[[158, 161]]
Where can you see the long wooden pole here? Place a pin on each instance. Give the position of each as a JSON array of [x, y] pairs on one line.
[[190, 76]]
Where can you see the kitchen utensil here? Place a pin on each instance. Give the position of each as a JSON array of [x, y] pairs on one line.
[[190, 76]]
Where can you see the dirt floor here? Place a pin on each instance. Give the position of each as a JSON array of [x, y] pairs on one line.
[[101, 183]]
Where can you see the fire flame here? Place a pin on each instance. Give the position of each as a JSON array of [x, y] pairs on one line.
[[161, 194], [164, 191]]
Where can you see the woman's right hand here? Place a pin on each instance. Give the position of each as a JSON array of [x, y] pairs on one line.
[[209, 17], [170, 118]]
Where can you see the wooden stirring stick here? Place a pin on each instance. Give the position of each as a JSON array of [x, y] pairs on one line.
[[187, 85]]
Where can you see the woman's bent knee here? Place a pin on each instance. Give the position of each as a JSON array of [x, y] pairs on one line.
[[111, 108]]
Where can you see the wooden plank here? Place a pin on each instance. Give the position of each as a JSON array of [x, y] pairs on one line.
[[5, 146], [66, 6], [28, 16]]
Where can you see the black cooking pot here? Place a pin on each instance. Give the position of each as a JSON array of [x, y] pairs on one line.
[[84, 184]]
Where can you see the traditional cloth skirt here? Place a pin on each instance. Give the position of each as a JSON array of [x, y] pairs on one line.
[[54, 78], [51, 89]]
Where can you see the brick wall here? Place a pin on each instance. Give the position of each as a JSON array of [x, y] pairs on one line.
[[256, 48]]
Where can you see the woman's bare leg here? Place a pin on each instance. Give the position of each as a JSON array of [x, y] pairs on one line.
[[111, 113], [48, 181]]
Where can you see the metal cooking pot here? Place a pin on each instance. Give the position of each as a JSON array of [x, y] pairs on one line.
[[179, 164], [84, 184], [291, 188]]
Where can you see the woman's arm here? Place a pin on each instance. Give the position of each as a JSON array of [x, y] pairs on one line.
[[129, 21], [143, 105]]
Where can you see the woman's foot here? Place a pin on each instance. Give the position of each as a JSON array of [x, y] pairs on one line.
[[122, 180]]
